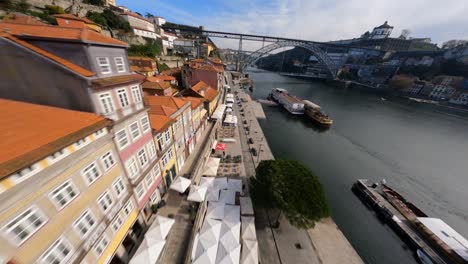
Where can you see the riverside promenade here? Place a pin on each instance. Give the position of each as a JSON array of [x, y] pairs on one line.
[[287, 244]]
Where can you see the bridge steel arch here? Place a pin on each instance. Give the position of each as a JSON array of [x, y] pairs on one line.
[[312, 47]]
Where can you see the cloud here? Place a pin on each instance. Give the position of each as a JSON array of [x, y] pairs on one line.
[[324, 20]]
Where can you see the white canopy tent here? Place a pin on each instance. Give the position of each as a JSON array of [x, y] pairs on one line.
[[227, 197], [180, 184], [230, 100], [230, 105], [160, 228], [211, 167], [215, 210], [148, 252], [206, 243], [226, 256], [229, 95], [248, 228], [249, 252], [220, 183], [231, 213], [218, 113], [197, 193], [207, 181], [212, 195], [235, 185], [228, 110]]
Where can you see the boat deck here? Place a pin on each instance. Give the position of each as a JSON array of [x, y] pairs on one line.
[[399, 221]]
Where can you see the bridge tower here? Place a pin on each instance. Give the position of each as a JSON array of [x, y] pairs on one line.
[[239, 54]]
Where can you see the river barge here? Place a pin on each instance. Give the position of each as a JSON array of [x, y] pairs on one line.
[[435, 240], [314, 112], [292, 104]]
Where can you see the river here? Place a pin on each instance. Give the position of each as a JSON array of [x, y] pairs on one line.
[[420, 151]]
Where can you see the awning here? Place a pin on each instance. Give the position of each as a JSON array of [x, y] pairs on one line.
[[148, 252], [180, 184], [246, 206], [248, 228], [249, 252], [220, 183], [211, 167], [220, 146], [231, 213], [197, 193], [160, 228]]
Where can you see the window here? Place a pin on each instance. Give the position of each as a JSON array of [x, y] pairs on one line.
[[59, 252], [100, 133], [63, 194], [85, 223], [165, 159], [140, 190], [108, 160], [132, 167], [101, 245], [123, 98], [25, 225], [149, 179], [104, 65], [81, 143], [119, 62], [156, 171], [135, 130], [91, 173], [136, 94], [142, 157], [122, 139], [151, 150], [155, 197], [119, 186], [145, 124], [128, 207], [118, 222], [167, 136], [105, 201], [106, 103]]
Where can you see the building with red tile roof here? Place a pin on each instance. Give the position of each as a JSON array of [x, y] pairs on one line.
[[203, 90], [144, 65], [69, 20], [207, 71]]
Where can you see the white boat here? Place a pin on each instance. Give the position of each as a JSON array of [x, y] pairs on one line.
[[425, 259], [291, 103]]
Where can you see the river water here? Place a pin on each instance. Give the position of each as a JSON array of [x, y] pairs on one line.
[[420, 151]]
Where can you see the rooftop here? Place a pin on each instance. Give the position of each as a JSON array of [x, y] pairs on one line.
[[205, 91], [31, 132], [65, 63], [167, 101], [196, 102], [38, 31], [160, 122], [72, 17], [117, 80]]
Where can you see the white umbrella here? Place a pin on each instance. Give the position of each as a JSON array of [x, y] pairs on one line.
[[230, 233], [220, 183], [207, 256], [148, 252], [180, 184], [212, 195], [211, 167], [249, 252], [160, 228], [246, 205], [215, 210], [248, 228], [206, 181], [228, 256], [234, 185], [228, 197], [232, 213], [197, 193]]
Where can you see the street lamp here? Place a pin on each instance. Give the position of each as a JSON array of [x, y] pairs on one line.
[[250, 123], [259, 152]]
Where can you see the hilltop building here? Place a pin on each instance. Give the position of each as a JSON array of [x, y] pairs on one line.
[[140, 25]]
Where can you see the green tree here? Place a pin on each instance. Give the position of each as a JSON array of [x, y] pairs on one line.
[[6, 5], [148, 15], [53, 10], [162, 67], [98, 18], [22, 6], [293, 189], [109, 19], [150, 49]]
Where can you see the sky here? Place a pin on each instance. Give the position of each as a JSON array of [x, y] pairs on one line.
[[318, 20]]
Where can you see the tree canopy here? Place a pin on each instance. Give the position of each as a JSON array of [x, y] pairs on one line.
[[150, 49], [292, 188], [110, 19], [95, 2]]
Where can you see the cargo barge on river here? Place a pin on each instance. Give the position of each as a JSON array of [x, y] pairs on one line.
[[293, 104], [433, 238]]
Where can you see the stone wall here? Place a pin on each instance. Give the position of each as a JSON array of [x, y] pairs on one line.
[[75, 7]]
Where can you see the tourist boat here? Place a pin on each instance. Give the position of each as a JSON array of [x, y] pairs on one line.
[[291, 103], [313, 111]]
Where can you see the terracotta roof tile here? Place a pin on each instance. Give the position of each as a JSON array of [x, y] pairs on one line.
[[196, 102], [161, 78], [160, 122], [159, 109], [168, 101], [141, 68], [59, 33], [18, 19], [117, 80], [31, 132], [67, 64], [171, 72], [136, 16], [140, 58], [205, 91], [72, 17], [156, 85]]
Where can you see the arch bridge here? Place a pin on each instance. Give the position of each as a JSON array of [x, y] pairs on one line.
[[316, 50]]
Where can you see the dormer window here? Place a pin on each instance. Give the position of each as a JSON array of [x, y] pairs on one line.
[[119, 62], [104, 65]]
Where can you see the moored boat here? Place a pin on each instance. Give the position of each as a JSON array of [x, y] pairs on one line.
[[313, 111], [293, 104]]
